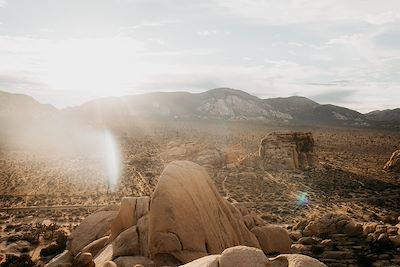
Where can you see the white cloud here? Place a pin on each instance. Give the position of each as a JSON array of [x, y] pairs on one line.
[[382, 18], [308, 11], [206, 33], [148, 23]]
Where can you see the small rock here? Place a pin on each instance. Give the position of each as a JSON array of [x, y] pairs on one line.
[[395, 240], [327, 242], [307, 241], [300, 225], [295, 235], [392, 230], [369, 228], [109, 264], [380, 229]]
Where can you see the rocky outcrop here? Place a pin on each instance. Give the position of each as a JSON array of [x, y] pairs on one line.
[[184, 220], [393, 163], [333, 223], [287, 150], [339, 241], [188, 217], [206, 156]]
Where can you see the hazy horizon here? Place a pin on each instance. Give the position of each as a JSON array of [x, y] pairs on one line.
[[66, 53], [182, 91]]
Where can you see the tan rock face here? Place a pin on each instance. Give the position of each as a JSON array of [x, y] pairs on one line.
[[287, 150], [393, 163], [130, 211], [188, 219], [242, 256], [126, 243], [93, 227], [272, 239]]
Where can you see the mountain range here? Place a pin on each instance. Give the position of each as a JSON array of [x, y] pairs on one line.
[[215, 104]]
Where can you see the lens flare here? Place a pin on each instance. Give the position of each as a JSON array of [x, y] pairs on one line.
[[302, 199], [112, 158]]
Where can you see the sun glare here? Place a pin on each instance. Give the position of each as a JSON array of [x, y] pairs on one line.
[[96, 67], [112, 158]]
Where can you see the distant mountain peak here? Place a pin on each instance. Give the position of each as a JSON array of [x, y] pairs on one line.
[[218, 103]]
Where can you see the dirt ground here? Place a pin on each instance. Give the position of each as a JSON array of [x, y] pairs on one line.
[[50, 192]]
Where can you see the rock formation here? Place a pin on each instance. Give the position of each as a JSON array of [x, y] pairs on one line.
[[208, 156], [185, 220], [287, 150], [213, 225], [393, 163], [337, 239], [242, 256]]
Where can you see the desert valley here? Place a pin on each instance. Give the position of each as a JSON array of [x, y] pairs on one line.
[[163, 179]]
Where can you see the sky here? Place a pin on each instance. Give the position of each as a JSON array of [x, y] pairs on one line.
[[66, 52]]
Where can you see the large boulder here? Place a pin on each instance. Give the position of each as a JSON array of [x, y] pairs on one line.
[[393, 163], [241, 256], [272, 239], [126, 243], [333, 223], [95, 226], [130, 211], [63, 259], [188, 219], [245, 256], [143, 232], [105, 255], [287, 150], [97, 245], [295, 260]]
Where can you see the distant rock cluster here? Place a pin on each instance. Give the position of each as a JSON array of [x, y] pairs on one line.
[[287, 150], [184, 222], [393, 163], [338, 240]]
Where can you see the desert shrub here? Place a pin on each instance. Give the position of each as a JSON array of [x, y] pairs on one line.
[[55, 247], [15, 261]]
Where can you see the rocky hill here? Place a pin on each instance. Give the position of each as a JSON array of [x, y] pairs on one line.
[[20, 105], [385, 117], [215, 104]]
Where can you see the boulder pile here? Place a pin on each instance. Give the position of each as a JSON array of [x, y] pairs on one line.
[[287, 150], [337, 240], [185, 220]]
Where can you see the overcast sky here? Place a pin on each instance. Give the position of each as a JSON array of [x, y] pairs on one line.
[[66, 52]]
